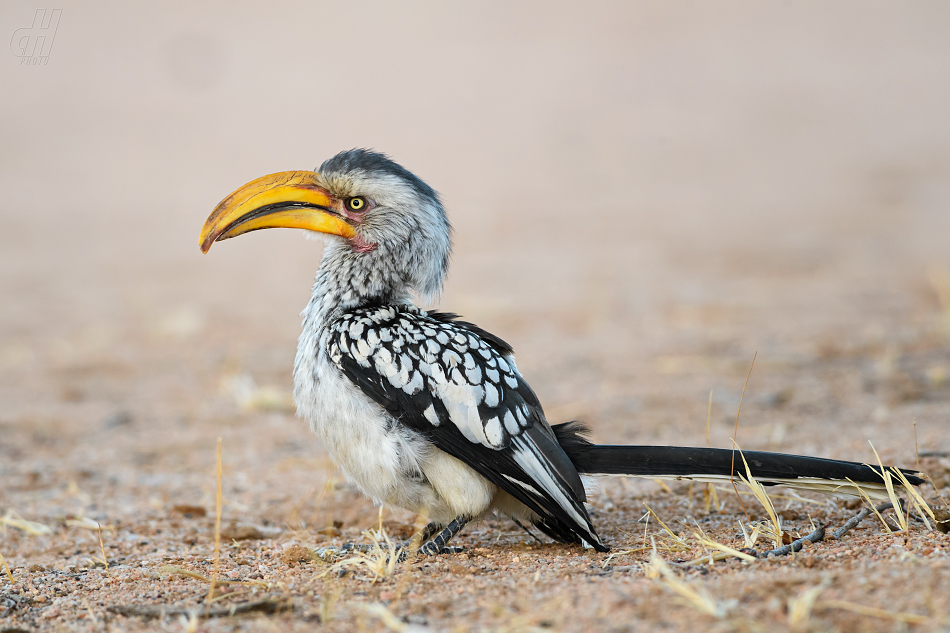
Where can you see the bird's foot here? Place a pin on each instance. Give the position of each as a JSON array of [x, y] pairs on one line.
[[432, 548], [333, 552], [403, 550], [436, 542]]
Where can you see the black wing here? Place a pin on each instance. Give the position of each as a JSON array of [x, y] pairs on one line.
[[459, 386]]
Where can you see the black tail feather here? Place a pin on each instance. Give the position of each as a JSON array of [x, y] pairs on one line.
[[687, 462]]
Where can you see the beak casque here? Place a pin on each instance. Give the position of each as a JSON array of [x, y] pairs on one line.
[[289, 199]]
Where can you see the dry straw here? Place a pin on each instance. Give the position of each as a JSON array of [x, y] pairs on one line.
[[14, 520], [379, 559], [696, 596], [102, 548], [389, 620], [923, 508], [178, 571], [670, 533], [735, 437], [758, 491], [85, 523], [889, 484], [709, 543], [870, 502], [7, 569], [899, 616], [801, 606], [217, 530]]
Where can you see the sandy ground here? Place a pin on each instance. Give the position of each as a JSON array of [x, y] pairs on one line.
[[644, 197]]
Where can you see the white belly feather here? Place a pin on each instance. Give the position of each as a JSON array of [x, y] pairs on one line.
[[390, 463]]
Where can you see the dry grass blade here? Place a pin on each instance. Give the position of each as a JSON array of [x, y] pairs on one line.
[[800, 607], [102, 548], [709, 543], [662, 484], [86, 523], [636, 550], [735, 437], [758, 491], [916, 447], [705, 559], [92, 614], [698, 598], [189, 624], [178, 571], [709, 493], [711, 498], [673, 535], [908, 618], [14, 520], [380, 560], [217, 529], [867, 500], [923, 508], [389, 620], [889, 484], [6, 568], [750, 539]]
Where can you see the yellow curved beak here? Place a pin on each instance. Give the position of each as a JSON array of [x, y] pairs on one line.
[[289, 199]]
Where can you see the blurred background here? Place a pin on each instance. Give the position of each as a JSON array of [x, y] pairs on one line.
[[645, 195]]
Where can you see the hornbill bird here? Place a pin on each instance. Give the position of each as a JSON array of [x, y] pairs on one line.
[[425, 411]]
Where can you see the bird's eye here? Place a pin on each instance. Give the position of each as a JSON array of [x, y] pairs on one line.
[[356, 204]]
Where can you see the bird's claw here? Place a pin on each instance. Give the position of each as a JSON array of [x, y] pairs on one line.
[[327, 552], [402, 551], [432, 549], [333, 552]]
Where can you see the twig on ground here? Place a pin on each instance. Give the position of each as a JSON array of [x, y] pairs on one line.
[[267, 605], [860, 516], [795, 545], [817, 535]]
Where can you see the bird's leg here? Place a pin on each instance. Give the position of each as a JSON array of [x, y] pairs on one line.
[[438, 544], [427, 532]]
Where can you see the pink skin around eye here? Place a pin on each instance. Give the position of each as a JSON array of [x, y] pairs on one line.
[[360, 245]]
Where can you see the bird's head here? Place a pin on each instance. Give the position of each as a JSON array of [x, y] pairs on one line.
[[384, 221]]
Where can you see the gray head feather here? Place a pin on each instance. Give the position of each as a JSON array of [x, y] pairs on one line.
[[408, 225]]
